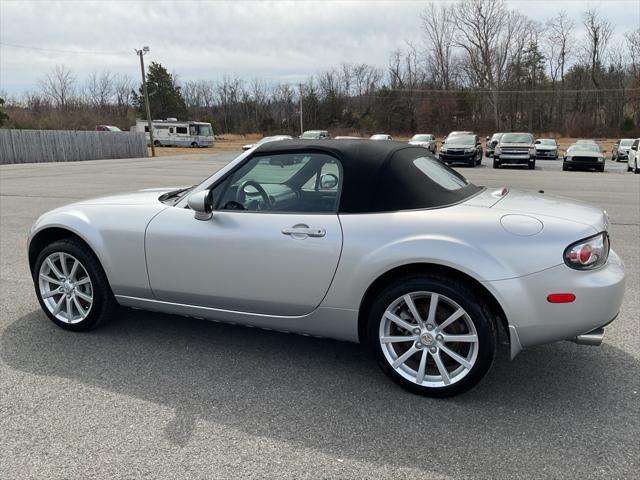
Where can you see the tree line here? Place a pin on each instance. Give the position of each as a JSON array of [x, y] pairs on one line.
[[478, 65]]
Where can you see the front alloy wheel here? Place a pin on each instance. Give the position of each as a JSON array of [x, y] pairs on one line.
[[65, 288], [432, 337], [72, 287]]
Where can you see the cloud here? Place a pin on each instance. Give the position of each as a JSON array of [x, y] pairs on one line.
[[207, 39]]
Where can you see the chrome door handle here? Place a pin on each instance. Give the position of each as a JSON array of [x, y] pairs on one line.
[[303, 231]]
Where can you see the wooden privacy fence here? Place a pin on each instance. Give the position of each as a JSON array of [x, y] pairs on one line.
[[31, 146]]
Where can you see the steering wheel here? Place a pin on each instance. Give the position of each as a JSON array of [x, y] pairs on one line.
[[241, 195]]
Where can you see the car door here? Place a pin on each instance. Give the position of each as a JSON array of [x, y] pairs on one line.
[[249, 258]]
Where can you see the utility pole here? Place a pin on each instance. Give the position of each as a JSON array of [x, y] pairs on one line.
[[301, 128], [146, 99]]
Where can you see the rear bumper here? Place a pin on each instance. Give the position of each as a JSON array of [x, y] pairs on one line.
[[535, 321]]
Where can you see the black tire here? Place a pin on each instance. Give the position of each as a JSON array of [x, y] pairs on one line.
[[462, 295], [565, 168], [628, 167], [156, 143], [104, 304], [532, 165], [194, 145], [496, 163], [601, 169]]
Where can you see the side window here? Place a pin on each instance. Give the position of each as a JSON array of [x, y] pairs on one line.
[[635, 144], [181, 129], [283, 183], [170, 129], [146, 128]]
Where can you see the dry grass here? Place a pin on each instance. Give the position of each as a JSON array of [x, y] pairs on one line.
[[234, 142]]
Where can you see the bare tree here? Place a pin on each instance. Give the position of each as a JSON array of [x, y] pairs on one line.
[[485, 30], [559, 45], [100, 88], [59, 85], [438, 31], [633, 46], [123, 88], [598, 34]]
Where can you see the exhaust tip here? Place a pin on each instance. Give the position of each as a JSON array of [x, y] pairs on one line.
[[593, 338]]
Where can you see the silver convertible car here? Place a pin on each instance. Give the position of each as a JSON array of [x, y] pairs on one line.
[[372, 242]]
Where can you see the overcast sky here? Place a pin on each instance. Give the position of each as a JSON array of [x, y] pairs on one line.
[[276, 41]]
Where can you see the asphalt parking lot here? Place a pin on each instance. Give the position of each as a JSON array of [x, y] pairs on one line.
[[158, 396]]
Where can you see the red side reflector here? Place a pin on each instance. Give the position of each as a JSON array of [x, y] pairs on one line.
[[561, 298]]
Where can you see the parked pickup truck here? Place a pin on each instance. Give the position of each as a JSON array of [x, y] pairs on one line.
[[515, 149]]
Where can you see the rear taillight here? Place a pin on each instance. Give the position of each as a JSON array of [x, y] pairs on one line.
[[589, 253]]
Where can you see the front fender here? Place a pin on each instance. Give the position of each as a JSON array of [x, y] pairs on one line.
[[115, 233]]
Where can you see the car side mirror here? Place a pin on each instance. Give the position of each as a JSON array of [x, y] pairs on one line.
[[328, 181], [488, 138], [202, 204]]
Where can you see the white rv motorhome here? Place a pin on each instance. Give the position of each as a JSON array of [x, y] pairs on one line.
[[171, 132]]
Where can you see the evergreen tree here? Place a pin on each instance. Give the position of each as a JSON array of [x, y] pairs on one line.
[[165, 96], [3, 116]]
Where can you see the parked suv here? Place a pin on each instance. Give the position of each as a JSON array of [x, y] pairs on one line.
[[634, 157], [515, 149], [546, 148], [465, 149], [492, 142], [621, 149]]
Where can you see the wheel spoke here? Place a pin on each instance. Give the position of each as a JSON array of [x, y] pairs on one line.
[[49, 279], [441, 368], [50, 294], [433, 307], [396, 339], [398, 321], [58, 306], [81, 311], [404, 357], [412, 308], [467, 338], [84, 296], [63, 264], [54, 269], [452, 318], [422, 367], [69, 309], [82, 282], [74, 268], [461, 360]]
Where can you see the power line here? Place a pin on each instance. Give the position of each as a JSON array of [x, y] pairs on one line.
[[57, 50]]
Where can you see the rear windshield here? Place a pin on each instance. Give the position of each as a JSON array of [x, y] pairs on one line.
[[517, 138], [410, 182], [627, 142]]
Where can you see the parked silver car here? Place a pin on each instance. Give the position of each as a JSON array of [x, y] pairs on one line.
[[546, 148], [363, 241], [620, 150], [380, 136], [425, 140]]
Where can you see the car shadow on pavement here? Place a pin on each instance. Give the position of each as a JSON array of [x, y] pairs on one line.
[[562, 403]]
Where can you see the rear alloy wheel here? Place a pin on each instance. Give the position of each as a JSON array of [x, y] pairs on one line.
[[71, 286], [432, 336]]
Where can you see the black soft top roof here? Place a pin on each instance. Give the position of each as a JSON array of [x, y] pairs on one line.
[[378, 176]]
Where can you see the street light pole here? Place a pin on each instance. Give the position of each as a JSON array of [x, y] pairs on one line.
[[146, 99], [301, 128]]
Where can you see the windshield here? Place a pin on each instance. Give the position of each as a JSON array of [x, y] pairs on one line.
[[497, 136], [204, 130], [626, 142], [421, 138], [462, 140], [584, 147], [546, 141], [517, 138]]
